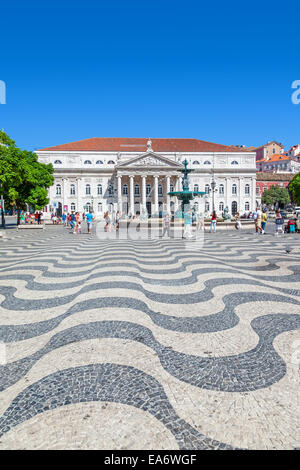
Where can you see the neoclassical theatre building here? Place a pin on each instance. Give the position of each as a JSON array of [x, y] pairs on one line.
[[132, 174]]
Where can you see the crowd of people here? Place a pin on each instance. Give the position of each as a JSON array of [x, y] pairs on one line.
[[74, 221], [35, 218]]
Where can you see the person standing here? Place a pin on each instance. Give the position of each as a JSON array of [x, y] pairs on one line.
[[89, 219], [41, 221], [22, 218], [213, 223], [187, 224], [238, 224], [279, 221], [200, 222], [166, 225], [264, 219], [254, 217], [64, 218]]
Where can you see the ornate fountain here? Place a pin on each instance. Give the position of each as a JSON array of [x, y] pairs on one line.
[[185, 196]]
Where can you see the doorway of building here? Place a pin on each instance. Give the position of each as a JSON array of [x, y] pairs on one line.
[[59, 210], [148, 207], [125, 208], [233, 208]]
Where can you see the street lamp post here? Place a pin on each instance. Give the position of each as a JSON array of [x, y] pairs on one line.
[[213, 185]]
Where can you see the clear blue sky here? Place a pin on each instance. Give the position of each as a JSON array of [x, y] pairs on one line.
[[216, 71]]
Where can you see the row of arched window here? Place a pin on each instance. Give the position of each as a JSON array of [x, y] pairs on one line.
[[207, 162], [111, 162], [87, 189], [148, 189], [88, 162], [222, 206], [221, 189]]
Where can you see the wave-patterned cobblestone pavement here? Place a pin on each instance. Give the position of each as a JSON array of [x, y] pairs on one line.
[[150, 344]]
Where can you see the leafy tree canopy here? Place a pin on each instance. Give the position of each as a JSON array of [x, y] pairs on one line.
[[276, 195], [6, 140], [294, 188], [23, 179]]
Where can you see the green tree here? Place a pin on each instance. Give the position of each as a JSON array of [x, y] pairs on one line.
[[276, 195], [6, 140], [294, 188], [23, 178]]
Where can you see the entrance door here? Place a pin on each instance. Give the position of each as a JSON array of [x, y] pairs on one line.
[[233, 208], [148, 207], [59, 210], [125, 208]]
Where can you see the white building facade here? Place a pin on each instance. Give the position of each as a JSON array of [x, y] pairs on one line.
[[133, 175]]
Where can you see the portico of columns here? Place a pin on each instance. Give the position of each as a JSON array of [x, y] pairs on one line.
[[154, 197]]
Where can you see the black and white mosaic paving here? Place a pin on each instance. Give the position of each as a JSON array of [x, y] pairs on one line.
[[199, 346]]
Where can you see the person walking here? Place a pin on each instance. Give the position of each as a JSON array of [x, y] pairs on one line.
[[72, 221], [264, 219], [213, 223], [107, 221], [258, 220], [77, 220], [89, 220], [166, 225], [41, 220], [64, 218], [118, 216]]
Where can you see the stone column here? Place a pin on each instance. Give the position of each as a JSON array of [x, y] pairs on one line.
[[144, 192], [131, 195], [167, 196], [79, 208], [155, 194], [63, 194], [241, 190], [253, 198], [227, 194], [119, 180]]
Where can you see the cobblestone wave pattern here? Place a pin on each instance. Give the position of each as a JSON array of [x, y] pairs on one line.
[[235, 269]]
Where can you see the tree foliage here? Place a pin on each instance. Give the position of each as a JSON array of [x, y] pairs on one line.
[[23, 179], [294, 188], [6, 140], [276, 195]]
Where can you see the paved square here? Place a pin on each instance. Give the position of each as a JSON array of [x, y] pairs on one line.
[[147, 344]]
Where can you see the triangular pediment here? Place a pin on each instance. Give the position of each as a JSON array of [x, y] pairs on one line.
[[150, 159]]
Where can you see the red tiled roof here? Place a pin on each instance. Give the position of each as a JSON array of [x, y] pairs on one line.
[[264, 176], [274, 158], [128, 144]]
